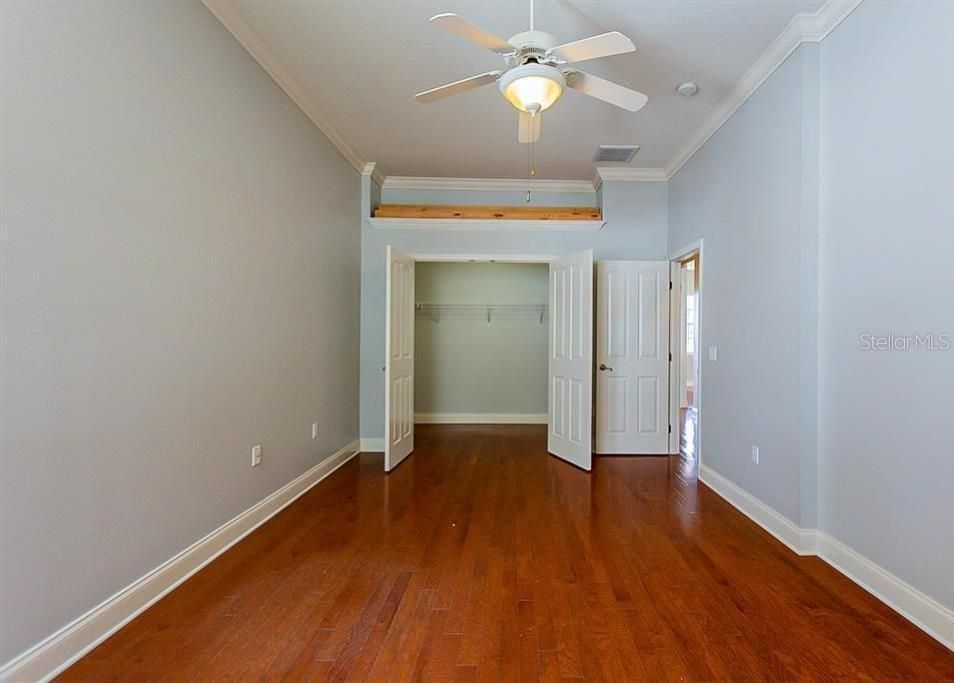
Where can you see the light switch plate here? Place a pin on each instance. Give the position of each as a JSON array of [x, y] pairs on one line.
[[713, 354], [256, 456]]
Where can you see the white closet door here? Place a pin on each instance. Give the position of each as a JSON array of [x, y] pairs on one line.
[[632, 340], [570, 351], [399, 364]]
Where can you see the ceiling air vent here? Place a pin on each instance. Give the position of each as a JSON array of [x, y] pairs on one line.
[[615, 154]]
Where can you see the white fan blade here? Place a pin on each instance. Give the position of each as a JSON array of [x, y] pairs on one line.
[[601, 89], [603, 45], [458, 86], [528, 128], [475, 34]]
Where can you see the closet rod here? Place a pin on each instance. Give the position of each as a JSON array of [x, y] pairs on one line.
[[436, 311]]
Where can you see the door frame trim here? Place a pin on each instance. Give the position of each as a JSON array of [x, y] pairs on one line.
[[675, 345], [482, 258]]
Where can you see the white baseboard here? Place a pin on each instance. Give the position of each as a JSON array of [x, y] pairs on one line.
[[54, 654], [481, 418], [371, 445], [921, 610], [800, 541]]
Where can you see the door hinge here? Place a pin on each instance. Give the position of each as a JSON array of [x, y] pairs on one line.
[[670, 429], [670, 358], [670, 284]]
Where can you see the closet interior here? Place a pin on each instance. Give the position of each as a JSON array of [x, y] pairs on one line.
[[481, 342]]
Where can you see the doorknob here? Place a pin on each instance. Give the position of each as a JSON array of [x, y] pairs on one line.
[[605, 367]]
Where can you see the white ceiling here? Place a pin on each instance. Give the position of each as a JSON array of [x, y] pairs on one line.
[[361, 61]]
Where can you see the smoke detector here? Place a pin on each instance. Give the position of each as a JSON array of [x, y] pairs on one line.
[[687, 88], [622, 154]]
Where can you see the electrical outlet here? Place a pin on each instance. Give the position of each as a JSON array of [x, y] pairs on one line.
[[314, 430], [755, 454], [256, 456]]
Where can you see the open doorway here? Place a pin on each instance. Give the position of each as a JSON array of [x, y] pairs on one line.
[[689, 356], [686, 278]]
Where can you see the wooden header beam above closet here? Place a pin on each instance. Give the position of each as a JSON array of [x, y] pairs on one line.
[[478, 212]]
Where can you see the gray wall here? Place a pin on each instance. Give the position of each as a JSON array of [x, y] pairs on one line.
[[824, 205], [391, 195], [887, 233], [636, 215], [462, 364], [743, 194], [180, 282]]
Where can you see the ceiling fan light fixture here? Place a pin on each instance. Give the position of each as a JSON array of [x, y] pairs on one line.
[[532, 87]]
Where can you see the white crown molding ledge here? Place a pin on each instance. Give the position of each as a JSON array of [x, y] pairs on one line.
[[54, 654], [921, 610], [625, 174], [371, 169], [803, 28], [225, 12], [611, 173]]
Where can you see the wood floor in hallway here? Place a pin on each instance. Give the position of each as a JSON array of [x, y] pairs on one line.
[[483, 558]]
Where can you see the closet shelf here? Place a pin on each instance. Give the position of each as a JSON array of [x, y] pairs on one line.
[[488, 312], [477, 224], [471, 212]]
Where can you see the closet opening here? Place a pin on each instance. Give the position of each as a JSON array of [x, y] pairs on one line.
[[480, 332], [489, 340]]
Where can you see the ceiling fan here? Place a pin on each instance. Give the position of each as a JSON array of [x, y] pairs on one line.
[[536, 72]]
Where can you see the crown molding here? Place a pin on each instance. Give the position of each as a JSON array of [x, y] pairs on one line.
[[816, 27], [624, 174], [520, 185], [225, 12], [500, 184], [803, 28], [371, 169]]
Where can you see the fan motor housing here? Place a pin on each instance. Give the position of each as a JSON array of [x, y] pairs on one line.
[[532, 46]]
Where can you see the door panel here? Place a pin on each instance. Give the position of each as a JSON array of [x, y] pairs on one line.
[[399, 354], [632, 383], [571, 359]]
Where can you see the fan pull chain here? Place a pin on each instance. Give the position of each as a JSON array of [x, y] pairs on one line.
[[531, 162]]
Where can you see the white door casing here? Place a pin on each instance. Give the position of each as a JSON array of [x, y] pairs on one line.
[[632, 378], [570, 354], [399, 355]]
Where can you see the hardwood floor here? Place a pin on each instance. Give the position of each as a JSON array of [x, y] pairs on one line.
[[483, 558], [688, 432]]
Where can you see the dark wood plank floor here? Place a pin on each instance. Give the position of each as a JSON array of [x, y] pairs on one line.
[[482, 558]]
